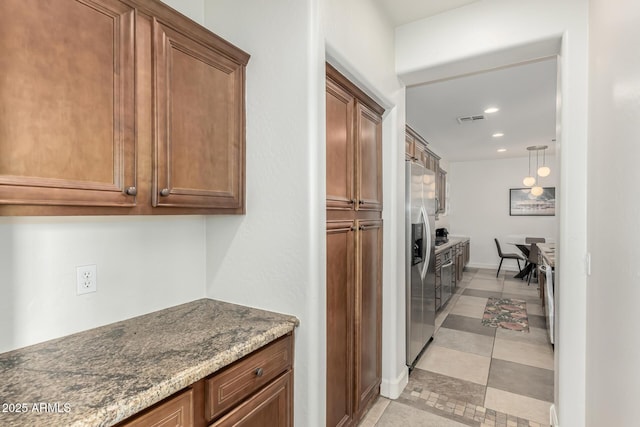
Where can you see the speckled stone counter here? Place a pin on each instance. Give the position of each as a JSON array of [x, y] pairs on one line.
[[104, 375], [452, 242]]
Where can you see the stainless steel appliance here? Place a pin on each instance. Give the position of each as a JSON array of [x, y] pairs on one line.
[[420, 258], [446, 277], [441, 236]]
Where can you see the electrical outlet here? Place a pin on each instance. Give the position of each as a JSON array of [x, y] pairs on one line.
[[86, 279]]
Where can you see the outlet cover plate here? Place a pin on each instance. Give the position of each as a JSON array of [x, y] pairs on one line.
[[86, 279]]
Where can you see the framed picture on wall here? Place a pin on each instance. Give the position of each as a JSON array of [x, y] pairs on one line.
[[523, 203]]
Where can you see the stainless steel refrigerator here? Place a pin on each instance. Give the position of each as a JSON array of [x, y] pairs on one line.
[[420, 209]]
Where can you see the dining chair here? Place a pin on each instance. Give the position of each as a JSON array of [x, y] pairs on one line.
[[533, 260], [504, 256], [529, 240]]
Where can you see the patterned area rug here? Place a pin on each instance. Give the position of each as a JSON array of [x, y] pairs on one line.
[[507, 313]]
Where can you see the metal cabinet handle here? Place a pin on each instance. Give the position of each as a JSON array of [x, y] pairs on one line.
[[131, 191], [165, 192], [259, 372], [352, 201], [361, 202], [353, 228]]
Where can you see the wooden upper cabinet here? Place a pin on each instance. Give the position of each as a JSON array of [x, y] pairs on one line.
[[118, 107], [340, 147], [67, 104], [199, 124], [354, 146], [369, 159]]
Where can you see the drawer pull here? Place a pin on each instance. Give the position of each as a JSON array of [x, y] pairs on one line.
[[165, 192], [131, 191], [259, 372]]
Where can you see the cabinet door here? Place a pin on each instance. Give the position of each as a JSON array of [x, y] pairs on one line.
[[340, 149], [369, 159], [67, 103], [176, 411], [442, 191], [198, 123], [340, 313], [368, 312], [272, 406], [409, 147]]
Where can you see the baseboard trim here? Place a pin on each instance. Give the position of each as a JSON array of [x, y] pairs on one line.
[[393, 389], [553, 416]]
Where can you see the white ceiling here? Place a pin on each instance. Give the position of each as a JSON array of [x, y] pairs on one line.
[[525, 94], [405, 11]]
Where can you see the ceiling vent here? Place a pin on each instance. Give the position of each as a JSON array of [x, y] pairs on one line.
[[470, 119]]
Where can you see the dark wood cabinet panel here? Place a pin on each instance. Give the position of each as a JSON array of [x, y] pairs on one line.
[[369, 312], [67, 103], [340, 148], [198, 123], [354, 250], [271, 406], [176, 411], [369, 159], [118, 107], [340, 319]]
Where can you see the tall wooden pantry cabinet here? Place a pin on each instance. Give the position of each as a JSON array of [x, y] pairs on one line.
[[354, 250]]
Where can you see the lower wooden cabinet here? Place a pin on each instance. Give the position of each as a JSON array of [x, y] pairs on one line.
[[175, 411], [269, 407], [255, 391], [354, 318]]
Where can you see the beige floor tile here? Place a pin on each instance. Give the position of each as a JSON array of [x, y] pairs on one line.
[[399, 414], [481, 345], [470, 306], [540, 356], [518, 405], [519, 288], [486, 285], [536, 336], [374, 414], [535, 309], [457, 364]]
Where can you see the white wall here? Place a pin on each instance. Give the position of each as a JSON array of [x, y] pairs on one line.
[[479, 207], [274, 257], [613, 350], [143, 264], [493, 33]]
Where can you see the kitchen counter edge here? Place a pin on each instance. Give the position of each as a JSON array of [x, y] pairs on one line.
[[130, 364]]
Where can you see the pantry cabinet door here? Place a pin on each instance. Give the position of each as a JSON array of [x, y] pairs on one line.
[[198, 123], [67, 103], [340, 321], [368, 329], [369, 158]]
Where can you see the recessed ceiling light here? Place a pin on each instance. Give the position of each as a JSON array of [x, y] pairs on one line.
[[501, 150], [498, 134], [491, 110]]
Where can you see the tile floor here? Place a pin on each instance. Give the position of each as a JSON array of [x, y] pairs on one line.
[[474, 375]]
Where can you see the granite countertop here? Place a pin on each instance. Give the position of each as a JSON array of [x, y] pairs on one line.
[[453, 240], [104, 375]]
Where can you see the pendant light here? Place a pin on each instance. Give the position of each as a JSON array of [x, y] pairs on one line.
[[544, 169], [537, 190], [529, 180]]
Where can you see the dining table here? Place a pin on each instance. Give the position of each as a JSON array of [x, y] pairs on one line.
[[525, 249]]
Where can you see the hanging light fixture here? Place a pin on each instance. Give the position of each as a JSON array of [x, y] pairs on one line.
[[544, 170], [529, 180], [541, 171]]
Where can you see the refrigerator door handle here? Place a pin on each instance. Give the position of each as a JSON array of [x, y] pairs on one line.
[[426, 238]]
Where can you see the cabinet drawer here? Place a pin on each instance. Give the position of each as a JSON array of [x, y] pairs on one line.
[[176, 411], [240, 380]]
